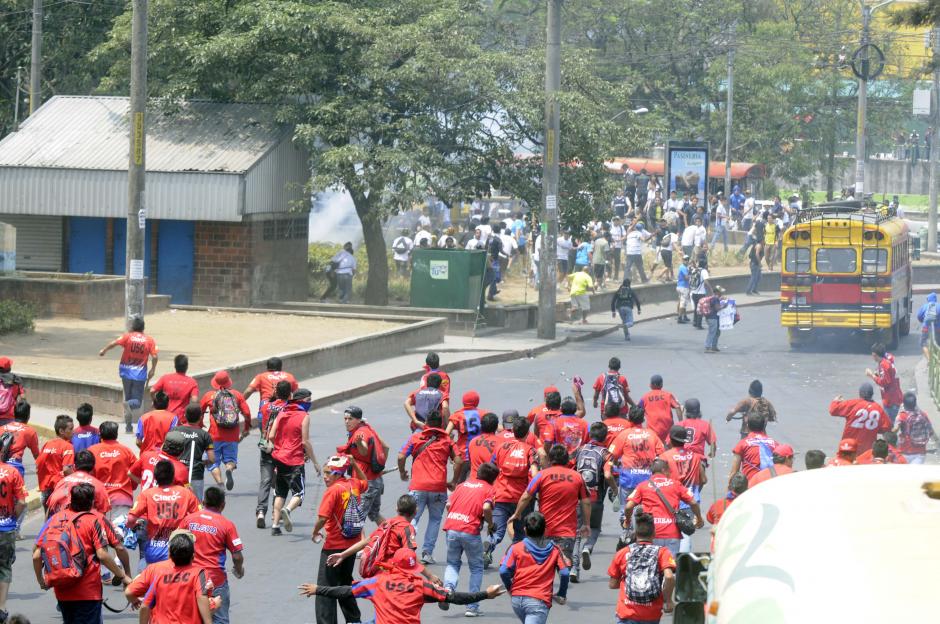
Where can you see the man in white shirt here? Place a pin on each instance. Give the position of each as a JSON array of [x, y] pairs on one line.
[[721, 224], [536, 255], [618, 234], [510, 247], [701, 235], [423, 235], [563, 246], [477, 241], [688, 239], [634, 248], [345, 269], [486, 229], [401, 252], [424, 221], [673, 202]]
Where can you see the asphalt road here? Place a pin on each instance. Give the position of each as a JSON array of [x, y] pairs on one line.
[[800, 384]]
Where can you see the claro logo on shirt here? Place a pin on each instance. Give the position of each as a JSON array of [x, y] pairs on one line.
[[167, 498], [109, 454]]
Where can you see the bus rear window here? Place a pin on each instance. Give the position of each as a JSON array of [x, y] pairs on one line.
[[836, 260], [797, 260], [874, 260]]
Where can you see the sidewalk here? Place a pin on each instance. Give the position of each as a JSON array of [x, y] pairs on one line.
[[457, 353]]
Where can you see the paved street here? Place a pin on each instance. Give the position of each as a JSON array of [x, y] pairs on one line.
[[800, 384]]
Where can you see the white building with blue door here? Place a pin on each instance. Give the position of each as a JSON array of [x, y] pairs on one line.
[[227, 199]]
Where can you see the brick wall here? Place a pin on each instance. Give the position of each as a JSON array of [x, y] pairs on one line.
[[223, 267]]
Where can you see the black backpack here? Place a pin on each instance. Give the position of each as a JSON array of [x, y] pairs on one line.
[[625, 297], [695, 278], [589, 463], [643, 582], [6, 445]]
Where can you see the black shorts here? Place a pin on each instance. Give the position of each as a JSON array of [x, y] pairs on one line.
[[667, 257], [598, 271], [562, 266], [289, 480]]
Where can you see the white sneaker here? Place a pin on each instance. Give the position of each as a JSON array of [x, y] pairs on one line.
[[285, 519]]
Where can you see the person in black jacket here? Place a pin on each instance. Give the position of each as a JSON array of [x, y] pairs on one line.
[[623, 303]]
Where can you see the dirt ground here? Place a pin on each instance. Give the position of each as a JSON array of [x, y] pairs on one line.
[[68, 348]]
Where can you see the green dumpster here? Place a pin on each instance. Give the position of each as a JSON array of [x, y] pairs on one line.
[[447, 278]]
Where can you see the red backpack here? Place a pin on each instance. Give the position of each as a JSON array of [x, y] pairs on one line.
[[705, 305], [63, 555], [375, 552]]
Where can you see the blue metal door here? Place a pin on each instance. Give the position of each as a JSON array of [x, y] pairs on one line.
[[87, 244], [175, 250], [120, 244]]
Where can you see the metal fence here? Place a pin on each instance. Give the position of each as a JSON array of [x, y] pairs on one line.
[[933, 370]]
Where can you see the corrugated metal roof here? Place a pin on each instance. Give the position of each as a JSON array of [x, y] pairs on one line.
[[86, 132]]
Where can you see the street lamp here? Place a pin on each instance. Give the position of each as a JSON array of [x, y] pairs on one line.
[[635, 111]]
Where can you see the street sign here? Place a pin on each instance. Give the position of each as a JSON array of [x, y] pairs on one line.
[[921, 101]]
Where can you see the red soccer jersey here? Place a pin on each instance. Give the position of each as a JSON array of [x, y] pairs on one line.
[[663, 519], [367, 434], [138, 348], [171, 592], [599, 387], [163, 508], [615, 426], [698, 432], [894, 457], [535, 411], [766, 475], [864, 420], [397, 533], [506, 435], [265, 383], [95, 532], [636, 448], [533, 574], [12, 491], [398, 596], [153, 427], [216, 535], [113, 460], [718, 509], [333, 506], [569, 431], [750, 449], [684, 465], [514, 460], [626, 608], [430, 448], [56, 454], [143, 469], [466, 422], [658, 405], [24, 437], [887, 379], [481, 450], [229, 434], [905, 443], [182, 390], [465, 507], [61, 496], [559, 490], [288, 437], [543, 419]]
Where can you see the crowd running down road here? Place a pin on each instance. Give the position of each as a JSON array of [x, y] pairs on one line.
[[521, 495]]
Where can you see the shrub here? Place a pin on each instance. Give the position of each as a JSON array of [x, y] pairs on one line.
[[16, 317]]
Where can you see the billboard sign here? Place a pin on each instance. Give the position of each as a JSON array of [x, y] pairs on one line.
[[687, 169]]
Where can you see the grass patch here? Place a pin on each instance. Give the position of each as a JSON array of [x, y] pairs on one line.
[[16, 317]]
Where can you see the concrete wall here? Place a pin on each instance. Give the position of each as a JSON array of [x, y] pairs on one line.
[[106, 398], [66, 294], [881, 176], [459, 322]]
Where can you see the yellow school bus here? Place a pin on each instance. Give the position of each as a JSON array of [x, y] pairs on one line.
[[846, 267]]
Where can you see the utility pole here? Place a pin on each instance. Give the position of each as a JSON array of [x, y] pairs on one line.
[[547, 265], [35, 64], [934, 144], [134, 290], [730, 110], [860, 128], [16, 100]]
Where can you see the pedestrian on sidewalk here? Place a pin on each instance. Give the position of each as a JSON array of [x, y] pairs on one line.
[[683, 290], [198, 445], [755, 255], [470, 504], [430, 450], [178, 386], [226, 406], [599, 258], [113, 461], [345, 270], [929, 316], [699, 287], [623, 302], [580, 283], [636, 236], [12, 390], [720, 228], [154, 425], [266, 417], [528, 572], [710, 308], [138, 348]]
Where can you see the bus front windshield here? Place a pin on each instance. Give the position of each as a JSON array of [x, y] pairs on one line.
[[836, 260]]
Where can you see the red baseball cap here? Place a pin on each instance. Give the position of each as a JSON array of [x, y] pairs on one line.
[[550, 389], [221, 380], [5, 364], [406, 559], [471, 398], [848, 445], [783, 450]]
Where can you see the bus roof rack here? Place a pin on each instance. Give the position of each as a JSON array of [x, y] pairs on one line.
[[867, 210]]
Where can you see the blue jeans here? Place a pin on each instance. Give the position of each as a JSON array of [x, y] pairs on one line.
[[344, 281], [626, 317], [914, 459], [220, 615], [671, 544], [530, 610], [134, 391], [711, 340], [755, 278], [501, 513], [434, 502], [685, 542], [892, 412], [748, 239], [723, 230], [459, 543]]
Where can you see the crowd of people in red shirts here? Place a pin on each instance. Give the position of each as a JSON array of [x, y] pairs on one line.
[[541, 480]]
